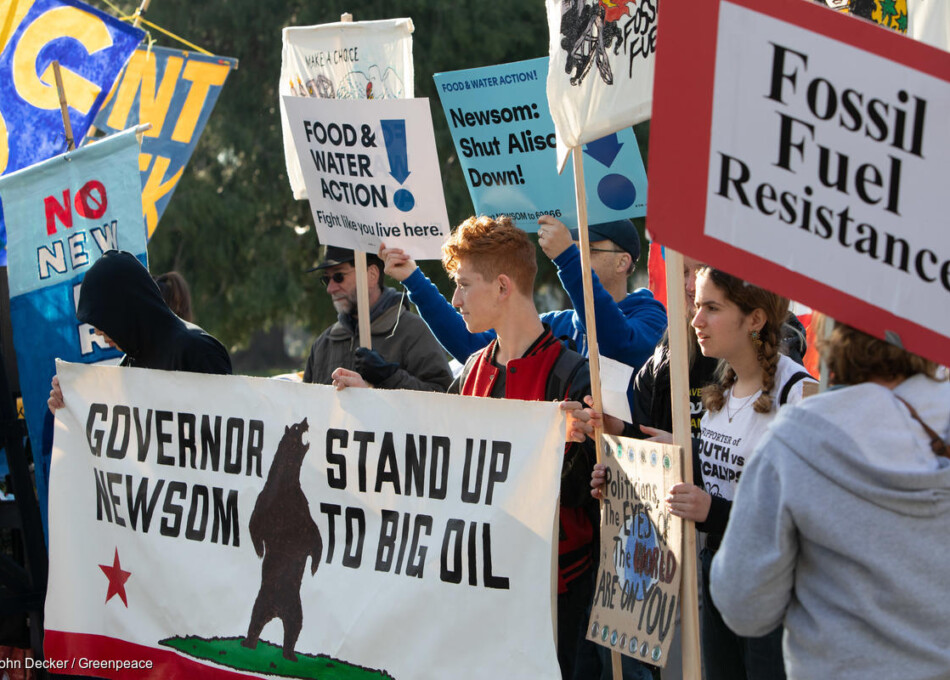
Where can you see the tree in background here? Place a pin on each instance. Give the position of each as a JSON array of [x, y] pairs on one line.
[[233, 228]]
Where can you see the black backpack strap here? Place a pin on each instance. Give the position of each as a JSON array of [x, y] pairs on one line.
[[798, 377], [568, 342], [562, 374]]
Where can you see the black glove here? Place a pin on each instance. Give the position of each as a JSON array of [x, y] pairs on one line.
[[373, 368]]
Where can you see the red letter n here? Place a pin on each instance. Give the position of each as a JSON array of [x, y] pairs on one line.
[[54, 210]]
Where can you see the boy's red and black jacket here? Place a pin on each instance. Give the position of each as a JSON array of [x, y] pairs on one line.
[[548, 371]]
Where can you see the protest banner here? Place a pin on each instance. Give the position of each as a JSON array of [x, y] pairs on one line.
[[372, 173], [601, 68], [344, 60], [922, 20], [63, 214], [637, 592], [192, 512], [890, 14], [504, 136], [91, 48], [929, 22], [810, 160], [175, 91]]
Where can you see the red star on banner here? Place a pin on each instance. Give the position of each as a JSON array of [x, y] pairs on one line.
[[117, 578]]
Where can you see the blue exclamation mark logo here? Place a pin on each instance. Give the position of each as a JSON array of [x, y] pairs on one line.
[[394, 135]]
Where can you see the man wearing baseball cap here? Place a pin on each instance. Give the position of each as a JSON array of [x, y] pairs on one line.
[[404, 354], [628, 324]]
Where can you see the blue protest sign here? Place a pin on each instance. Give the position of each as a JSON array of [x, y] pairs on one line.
[[91, 48], [175, 91], [63, 214], [504, 135]]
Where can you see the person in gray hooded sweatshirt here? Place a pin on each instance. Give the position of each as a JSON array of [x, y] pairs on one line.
[[840, 525]]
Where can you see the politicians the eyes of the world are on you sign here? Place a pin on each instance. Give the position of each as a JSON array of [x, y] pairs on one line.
[[637, 590]]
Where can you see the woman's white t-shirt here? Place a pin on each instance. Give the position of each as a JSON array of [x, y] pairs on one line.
[[729, 435]]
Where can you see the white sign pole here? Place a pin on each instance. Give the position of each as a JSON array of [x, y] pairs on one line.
[[679, 389]]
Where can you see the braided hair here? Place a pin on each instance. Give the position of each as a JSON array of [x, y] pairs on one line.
[[749, 298]]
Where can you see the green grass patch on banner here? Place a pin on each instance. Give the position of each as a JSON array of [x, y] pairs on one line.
[[268, 658]]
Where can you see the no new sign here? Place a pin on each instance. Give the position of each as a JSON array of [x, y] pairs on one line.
[[808, 152]]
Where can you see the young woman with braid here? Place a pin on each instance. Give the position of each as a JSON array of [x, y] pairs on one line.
[[741, 325]]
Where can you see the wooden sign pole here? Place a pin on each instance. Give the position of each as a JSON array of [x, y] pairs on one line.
[[362, 298], [140, 11], [362, 278], [679, 388], [824, 377], [64, 109], [590, 323]]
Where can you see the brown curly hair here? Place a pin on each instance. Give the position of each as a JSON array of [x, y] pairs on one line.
[[749, 298], [854, 356], [492, 247]]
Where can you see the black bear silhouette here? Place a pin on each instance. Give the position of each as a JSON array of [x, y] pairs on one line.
[[284, 535]]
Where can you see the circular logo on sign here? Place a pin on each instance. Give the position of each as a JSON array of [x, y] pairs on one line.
[[633, 645], [404, 200], [603, 636], [653, 458], [631, 456], [667, 461], [91, 201], [613, 639], [594, 629], [657, 653], [616, 192], [619, 450], [644, 649]]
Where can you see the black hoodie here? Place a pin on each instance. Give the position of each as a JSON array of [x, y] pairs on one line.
[[120, 298]]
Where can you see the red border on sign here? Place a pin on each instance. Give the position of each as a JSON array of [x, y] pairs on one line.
[[680, 144], [67, 652]]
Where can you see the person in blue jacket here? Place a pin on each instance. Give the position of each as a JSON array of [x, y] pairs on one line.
[[628, 324]]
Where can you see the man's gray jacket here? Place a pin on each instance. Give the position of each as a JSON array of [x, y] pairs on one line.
[[397, 334]]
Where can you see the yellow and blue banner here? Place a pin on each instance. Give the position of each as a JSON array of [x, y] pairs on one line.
[[91, 48], [175, 91], [505, 138], [63, 214]]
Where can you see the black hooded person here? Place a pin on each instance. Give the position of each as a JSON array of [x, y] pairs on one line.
[[122, 302]]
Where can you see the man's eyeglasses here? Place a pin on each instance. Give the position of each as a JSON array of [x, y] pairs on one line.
[[336, 277]]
